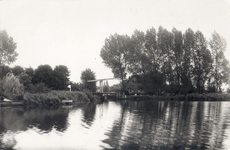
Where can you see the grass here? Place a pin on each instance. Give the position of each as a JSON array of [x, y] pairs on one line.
[[54, 98], [188, 97], [204, 97]]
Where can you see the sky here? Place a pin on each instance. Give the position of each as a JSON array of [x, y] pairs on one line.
[[72, 32]]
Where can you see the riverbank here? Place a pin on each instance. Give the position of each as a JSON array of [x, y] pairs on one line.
[[188, 97], [51, 98], [54, 98]]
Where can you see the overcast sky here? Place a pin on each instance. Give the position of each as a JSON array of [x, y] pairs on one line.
[[73, 32]]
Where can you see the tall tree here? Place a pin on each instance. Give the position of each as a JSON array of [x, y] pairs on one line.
[[218, 46], [187, 67], [165, 41], [202, 62], [86, 75], [7, 52], [7, 49], [177, 55], [115, 55], [138, 61], [61, 77], [44, 74], [152, 51], [182, 60]]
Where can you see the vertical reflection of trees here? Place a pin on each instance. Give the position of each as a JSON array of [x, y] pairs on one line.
[[116, 133], [168, 125], [89, 111], [198, 120], [2, 128], [47, 118], [20, 119]]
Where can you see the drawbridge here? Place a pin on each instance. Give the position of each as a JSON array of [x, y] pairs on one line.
[[101, 82], [101, 93]]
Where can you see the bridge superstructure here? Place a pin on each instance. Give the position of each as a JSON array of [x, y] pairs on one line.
[[101, 82]]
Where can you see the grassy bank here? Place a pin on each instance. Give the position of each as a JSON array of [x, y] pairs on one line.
[[55, 97], [188, 97]]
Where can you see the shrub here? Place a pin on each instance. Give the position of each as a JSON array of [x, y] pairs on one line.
[[228, 90], [11, 87], [54, 98], [90, 95], [38, 88]]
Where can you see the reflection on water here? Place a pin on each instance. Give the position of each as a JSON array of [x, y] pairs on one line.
[[118, 125]]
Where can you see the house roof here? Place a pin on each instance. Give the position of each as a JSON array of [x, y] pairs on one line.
[[134, 76]]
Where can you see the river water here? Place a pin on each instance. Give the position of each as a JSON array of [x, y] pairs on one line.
[[118, 125]]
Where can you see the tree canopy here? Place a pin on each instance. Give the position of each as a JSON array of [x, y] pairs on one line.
[[86, 75], [4, 70], [57, 79], [181, 62], [17, 70], [43, 74], [7, 49], [61, 77], [115, 55]]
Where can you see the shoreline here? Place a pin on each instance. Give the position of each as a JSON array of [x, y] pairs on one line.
[[188, 97], [55, 98], [52, 98]]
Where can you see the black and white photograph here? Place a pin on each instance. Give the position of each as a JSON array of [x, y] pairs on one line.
[[114, 74]]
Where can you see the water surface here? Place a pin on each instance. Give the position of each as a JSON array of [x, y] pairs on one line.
[[118, 125]]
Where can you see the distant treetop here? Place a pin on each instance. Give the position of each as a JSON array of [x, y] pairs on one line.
[[7, 49]]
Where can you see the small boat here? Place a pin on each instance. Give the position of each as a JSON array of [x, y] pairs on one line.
[[67, 102], [8, 102]]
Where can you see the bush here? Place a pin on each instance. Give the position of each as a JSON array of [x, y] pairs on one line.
[[11, 87], [1, 88], [90, 95], [228, 90], [54, 98], [38, 88]]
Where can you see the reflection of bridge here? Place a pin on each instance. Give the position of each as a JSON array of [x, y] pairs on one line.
[[101, 82]]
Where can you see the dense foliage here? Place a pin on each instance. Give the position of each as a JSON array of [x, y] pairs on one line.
[[115, 54], [76, 86], [42, 79], [10, 87], [86, 75], [7, 48], [169, 61], [61, 77], [4, 70], [54, 98]]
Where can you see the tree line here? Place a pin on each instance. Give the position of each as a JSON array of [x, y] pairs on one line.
[[169, 61], [39, 79], [44, 78]]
